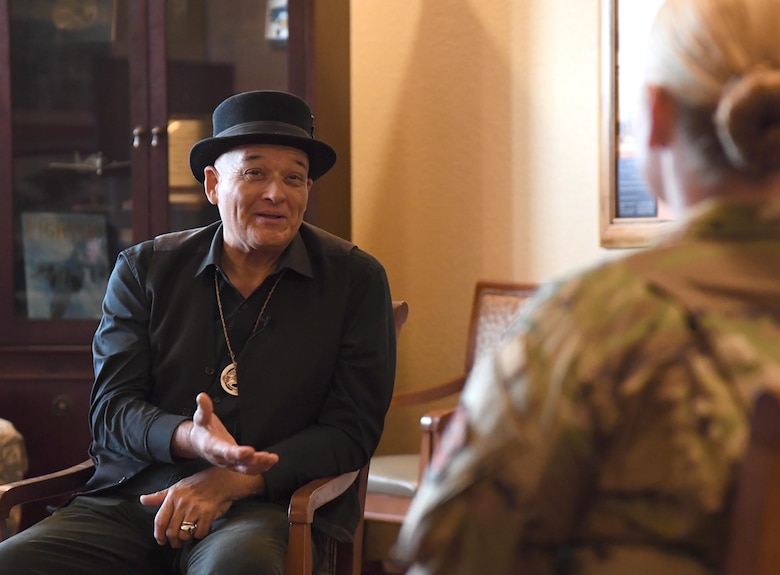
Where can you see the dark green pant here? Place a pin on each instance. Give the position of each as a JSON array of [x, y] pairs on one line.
[[114, 536]]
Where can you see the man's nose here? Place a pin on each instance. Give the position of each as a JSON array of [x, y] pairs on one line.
[[274, 190]]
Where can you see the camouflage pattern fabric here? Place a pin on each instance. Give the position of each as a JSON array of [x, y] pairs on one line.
[[603, 437], [13, 464]]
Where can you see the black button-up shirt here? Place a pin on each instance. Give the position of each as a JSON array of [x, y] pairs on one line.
[[315, 379]]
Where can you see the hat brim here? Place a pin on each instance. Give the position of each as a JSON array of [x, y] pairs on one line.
[[204, 153]]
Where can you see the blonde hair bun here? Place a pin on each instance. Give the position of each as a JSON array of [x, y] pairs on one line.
[[747, 121]]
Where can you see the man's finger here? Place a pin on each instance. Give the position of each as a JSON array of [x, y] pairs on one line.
[[204, 410], [152, 499]]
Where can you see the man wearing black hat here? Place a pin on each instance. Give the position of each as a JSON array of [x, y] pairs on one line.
[[233, 364]]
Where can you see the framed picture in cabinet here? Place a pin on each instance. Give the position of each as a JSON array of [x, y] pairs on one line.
[[277, 21], [65, 264], [630, 215]]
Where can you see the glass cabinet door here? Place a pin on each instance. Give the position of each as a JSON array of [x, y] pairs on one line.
[[100, 102], [71, 193], [213, 49]]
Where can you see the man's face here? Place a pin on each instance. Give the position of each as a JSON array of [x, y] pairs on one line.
[[261, 192]]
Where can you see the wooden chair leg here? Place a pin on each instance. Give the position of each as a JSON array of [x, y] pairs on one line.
[[300, 548]]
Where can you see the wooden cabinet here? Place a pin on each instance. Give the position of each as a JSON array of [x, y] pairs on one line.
[[44, 391], [100, 101]]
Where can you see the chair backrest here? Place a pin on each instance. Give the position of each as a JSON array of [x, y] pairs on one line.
[[754, 532], [400, 315], [495, 305]]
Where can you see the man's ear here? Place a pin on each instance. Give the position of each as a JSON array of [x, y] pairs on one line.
[[210, 178], [663, 114]]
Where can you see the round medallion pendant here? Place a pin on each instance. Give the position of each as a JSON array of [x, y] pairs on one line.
[[229, 380]]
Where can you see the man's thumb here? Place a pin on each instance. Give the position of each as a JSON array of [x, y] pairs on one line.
[[153, 499]]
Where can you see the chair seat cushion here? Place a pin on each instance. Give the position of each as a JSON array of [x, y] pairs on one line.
[[394, 474]]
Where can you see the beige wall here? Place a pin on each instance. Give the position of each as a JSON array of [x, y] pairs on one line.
[[475, 131]]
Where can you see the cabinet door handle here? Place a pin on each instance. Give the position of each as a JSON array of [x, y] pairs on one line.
[[138, 131], [157, 131], [62, 404]]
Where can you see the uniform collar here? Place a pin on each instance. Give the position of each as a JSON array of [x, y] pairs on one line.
[[729, 220]]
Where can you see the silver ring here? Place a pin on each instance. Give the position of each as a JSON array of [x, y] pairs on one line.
[[188, 527]]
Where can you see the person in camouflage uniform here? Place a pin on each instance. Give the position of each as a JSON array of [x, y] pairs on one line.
[[604, 435]]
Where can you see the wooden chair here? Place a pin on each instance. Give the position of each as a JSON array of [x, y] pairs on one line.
[[344, 558], [393, 479], [753, 547]]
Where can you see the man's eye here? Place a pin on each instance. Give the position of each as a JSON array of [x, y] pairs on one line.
[[253, 174]]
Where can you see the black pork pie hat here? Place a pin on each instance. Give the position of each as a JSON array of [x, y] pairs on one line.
[[262, 117]]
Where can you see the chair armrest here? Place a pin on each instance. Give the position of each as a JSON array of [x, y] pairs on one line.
[[42, 487], [435, 420], [316, 493], [418, 396], [304, 502], [432, 426]]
